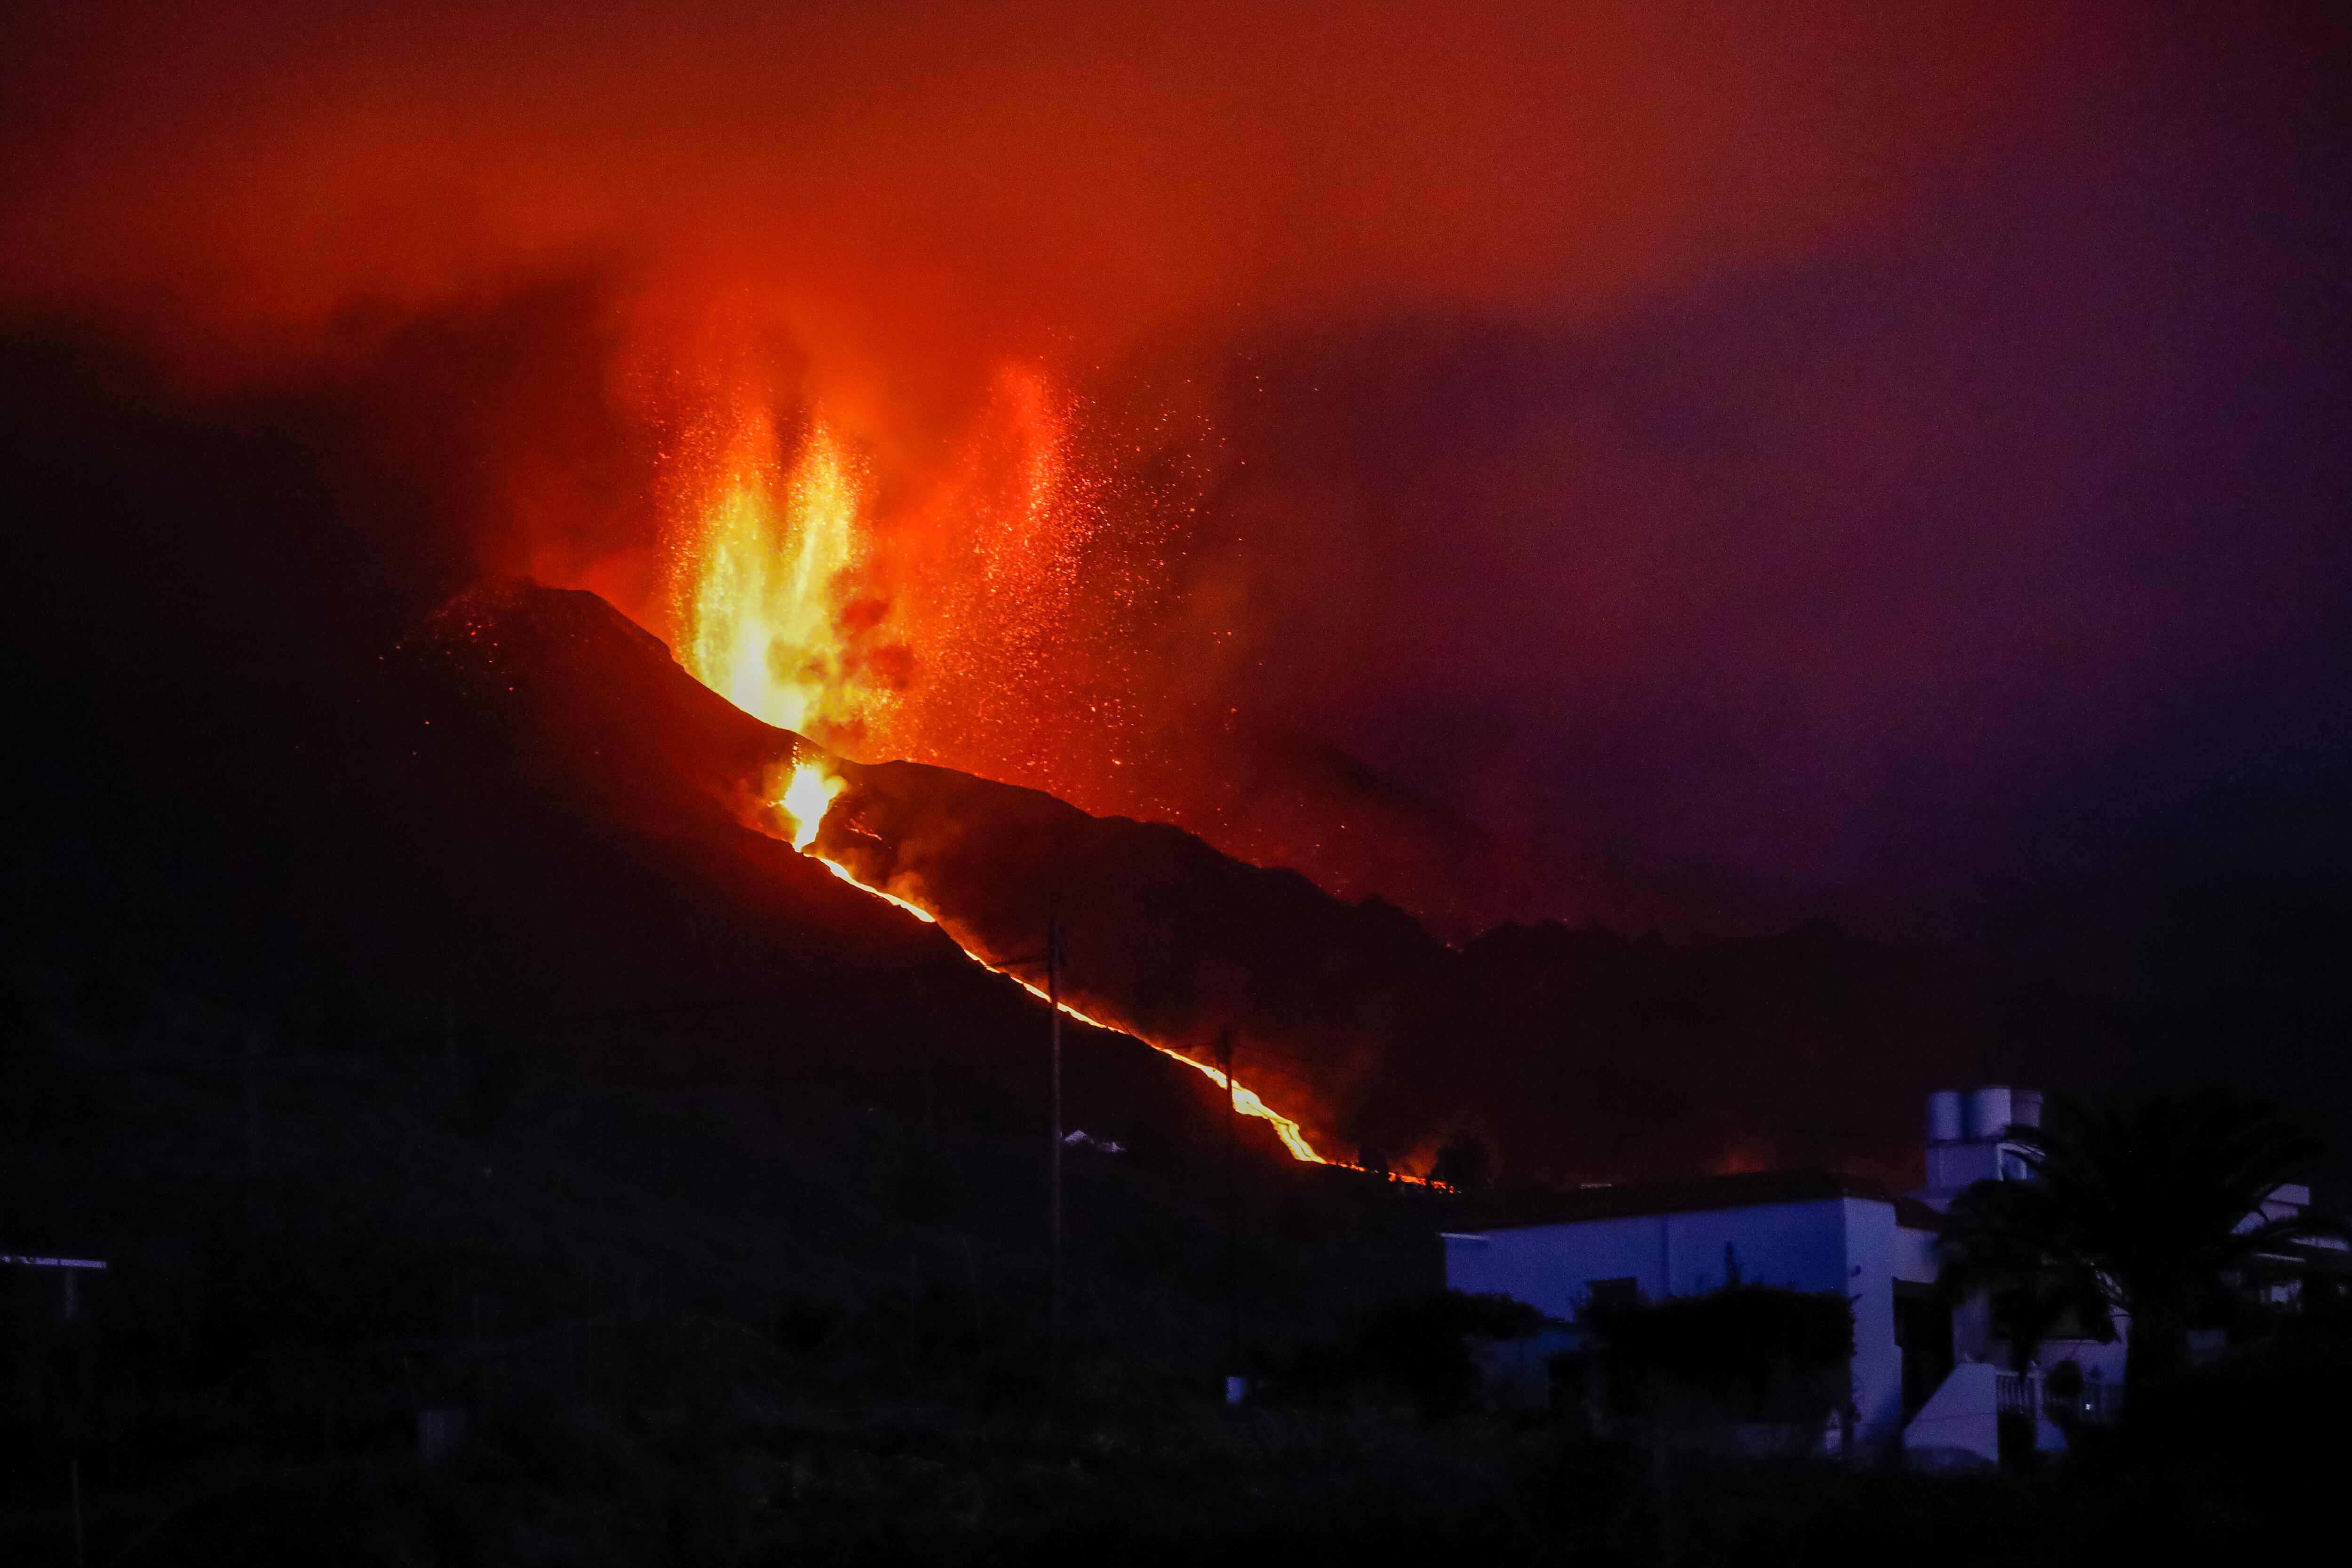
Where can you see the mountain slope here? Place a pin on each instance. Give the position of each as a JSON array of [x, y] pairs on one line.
[[1573, 1053]]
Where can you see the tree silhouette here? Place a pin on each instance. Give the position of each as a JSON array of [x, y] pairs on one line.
[[1462, 1163], [2143, 1210]]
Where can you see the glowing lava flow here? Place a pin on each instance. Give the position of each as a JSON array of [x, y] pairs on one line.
[[805, 801]]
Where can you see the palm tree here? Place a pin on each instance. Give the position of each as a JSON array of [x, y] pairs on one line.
[[2143, 1210]]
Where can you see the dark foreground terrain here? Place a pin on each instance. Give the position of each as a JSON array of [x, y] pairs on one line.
[[695, 1317]]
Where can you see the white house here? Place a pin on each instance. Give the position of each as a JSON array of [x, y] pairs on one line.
[[1933, 1376], [1921, 1373], [1806, 1230]]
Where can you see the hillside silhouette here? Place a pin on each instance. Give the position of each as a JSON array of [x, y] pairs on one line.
[[1574, 1053]]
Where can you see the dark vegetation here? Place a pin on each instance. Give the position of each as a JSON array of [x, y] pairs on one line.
[[694, 1318], [689, 1316], [1749, 1354], [1423, 1347]]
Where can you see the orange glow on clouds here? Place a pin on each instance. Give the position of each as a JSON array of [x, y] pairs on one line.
[[923, 187]]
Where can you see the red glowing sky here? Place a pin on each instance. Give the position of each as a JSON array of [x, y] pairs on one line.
[[906, 184], [1824, 450]]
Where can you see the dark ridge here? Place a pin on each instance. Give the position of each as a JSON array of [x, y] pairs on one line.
[[1574, 1053]]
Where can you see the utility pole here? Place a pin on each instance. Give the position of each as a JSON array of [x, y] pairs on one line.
[[68, 1268], [450, 1075], [253, 1106], [1236, 1381], [1054, 1012], [253, 1132]]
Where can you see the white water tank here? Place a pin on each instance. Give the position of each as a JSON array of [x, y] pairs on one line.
[[1944, 1116], [2025, 1107], [1987, 1114]]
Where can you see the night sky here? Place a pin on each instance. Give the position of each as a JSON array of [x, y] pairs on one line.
[[1889, 468]]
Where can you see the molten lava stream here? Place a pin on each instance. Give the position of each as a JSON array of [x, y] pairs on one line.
[[805, 801]]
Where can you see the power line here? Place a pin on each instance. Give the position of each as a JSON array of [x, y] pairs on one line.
[[1234, 1383], [1054, 1012]]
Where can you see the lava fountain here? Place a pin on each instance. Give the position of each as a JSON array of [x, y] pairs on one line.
[[764, 609], [805, 800]]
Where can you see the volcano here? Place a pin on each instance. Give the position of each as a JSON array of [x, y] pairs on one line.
[[278, 769], [1571, 1053], [279, 773], [552, 696]]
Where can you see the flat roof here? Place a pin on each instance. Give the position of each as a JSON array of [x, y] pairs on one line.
[[1745, 1189]]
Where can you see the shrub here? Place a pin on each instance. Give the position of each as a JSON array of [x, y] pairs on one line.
[[1426, 1346], [1744, 1352]]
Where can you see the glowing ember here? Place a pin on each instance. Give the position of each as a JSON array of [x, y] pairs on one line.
[[807, 798]]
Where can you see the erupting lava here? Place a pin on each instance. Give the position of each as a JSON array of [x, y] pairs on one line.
[[805, 800], [804, 803], [765, 609], [982, 606], [810, 795]]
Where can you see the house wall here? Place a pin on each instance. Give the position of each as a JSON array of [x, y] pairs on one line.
[[1851, 1246], [1871, 1253], [1552, 1267], [1914, 1255]]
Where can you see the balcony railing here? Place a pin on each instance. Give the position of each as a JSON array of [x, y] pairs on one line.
[[2027, 1394]]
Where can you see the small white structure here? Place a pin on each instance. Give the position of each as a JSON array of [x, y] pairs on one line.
[[1969, 1139], [2277, 1274], [1805, 1230]]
